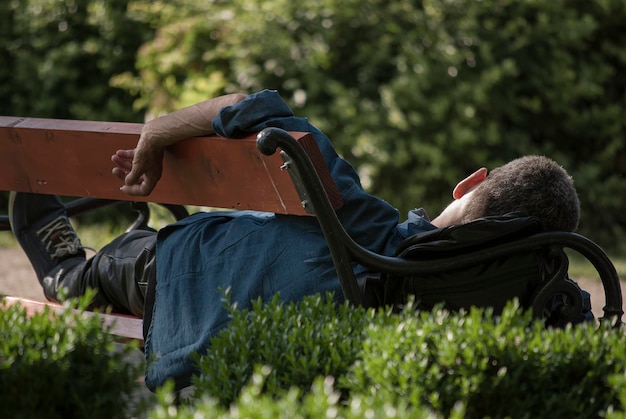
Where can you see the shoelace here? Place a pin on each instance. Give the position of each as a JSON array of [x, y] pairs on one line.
[[59, 238]]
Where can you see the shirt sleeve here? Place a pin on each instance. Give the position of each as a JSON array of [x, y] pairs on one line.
[[257, 111]]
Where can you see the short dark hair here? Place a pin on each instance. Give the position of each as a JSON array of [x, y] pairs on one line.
[[532, 185]]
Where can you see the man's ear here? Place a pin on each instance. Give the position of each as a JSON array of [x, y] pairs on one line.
[[469, 182]]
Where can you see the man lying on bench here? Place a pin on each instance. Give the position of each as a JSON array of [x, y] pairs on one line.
[[180, 273]]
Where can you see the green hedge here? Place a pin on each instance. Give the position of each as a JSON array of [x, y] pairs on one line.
[[311, 358], [306, 340], [62, 365], [315, 359]]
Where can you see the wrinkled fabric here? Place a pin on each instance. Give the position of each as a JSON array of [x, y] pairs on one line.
[[251, 254]]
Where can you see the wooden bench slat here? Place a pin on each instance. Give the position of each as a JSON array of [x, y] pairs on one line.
[[123, 326], [72, 158]]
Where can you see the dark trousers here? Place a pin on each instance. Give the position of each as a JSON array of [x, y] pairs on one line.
[[120, 272]]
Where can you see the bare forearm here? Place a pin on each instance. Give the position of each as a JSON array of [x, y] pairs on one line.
[[193, 121]]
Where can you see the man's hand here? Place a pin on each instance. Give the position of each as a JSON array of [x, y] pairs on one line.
[[140, 169]]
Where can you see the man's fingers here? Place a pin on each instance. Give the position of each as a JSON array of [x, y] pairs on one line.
[[132, 190], [123, 159], [123, 163], [125, 154], [119, 173], [142, 188], [133, 177], [137, 170]]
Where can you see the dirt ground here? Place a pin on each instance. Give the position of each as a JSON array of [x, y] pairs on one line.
[[18, 279], [16, 275]]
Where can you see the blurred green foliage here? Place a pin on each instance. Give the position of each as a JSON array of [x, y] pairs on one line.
[[58, 57], [417, 94]]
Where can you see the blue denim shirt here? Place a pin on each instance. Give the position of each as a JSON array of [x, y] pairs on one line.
[[253, 254]]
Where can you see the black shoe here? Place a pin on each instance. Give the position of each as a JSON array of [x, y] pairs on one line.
[[41, 227]]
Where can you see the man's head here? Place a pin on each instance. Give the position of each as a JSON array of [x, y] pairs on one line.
[[531, 185]]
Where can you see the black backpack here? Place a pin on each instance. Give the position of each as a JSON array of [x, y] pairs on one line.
[[484, 263]]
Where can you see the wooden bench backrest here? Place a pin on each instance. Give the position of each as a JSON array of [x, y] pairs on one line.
[[72, 158]]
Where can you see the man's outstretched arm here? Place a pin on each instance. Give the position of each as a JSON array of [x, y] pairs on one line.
[[141, 168]]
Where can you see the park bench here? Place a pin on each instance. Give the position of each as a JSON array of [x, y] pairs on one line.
[[72, 158]]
